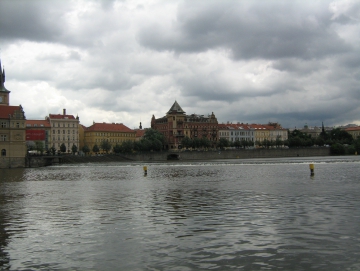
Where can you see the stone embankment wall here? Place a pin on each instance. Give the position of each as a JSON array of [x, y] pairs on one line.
[[41, 161], [6, 162], [231, 154]]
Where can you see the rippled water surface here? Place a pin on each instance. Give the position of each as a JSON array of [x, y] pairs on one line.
[[224, 215]]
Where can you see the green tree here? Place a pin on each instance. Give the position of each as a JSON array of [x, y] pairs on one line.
[[117, 148], [340, 136], [223, 143], [86, 149], [105, 145], [156, 145], [62, 147], [205, 142], [186, 142], [152, 134], [95, 148], [53, 150], [278, 142], [319, 141], [196, 143], [337, 149], [39, 146], [237, 143], [127, 146], [74, 148]]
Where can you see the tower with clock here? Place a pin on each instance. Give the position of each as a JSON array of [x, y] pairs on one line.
[[4, 93]]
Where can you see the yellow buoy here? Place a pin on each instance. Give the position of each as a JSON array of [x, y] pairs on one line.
[[312, 167]]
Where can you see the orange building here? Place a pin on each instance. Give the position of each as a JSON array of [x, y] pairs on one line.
[[114, 133]]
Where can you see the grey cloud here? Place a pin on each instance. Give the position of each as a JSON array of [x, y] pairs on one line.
[[31, 20], [270, 30]]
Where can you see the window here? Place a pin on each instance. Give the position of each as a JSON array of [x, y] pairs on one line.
[[2, 137], [3, 124], [3, 152]]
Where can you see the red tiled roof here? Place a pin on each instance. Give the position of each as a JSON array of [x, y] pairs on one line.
[[44, 123], [353, 128], [109, 127], [235, 126], [60, 116], [140, 133], [6, 110]]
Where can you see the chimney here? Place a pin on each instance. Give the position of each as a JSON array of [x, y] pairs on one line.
[[64, 111]]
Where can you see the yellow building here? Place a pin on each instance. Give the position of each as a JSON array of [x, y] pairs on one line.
[[114, 133], [82, 129], [260, 132]]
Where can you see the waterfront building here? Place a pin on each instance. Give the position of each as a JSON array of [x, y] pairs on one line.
[[38, 130], [64, 130], [353, 131], [236, 132], [314, 132], [82, 129], [276, 132], [261, 133], [12, 130], [176, 125], [114, 133]]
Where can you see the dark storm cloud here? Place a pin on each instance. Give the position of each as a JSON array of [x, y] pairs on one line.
[[31, 20], [250, 29]]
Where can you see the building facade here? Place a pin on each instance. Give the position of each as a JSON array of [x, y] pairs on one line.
[[176, 125], [353, 131], [64, 130], [276, 132], [236, 132], [39, 130], [114, 133], [12, 130]]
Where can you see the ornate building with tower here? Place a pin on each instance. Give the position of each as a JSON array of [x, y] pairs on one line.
[[176, 125], [12, 130]]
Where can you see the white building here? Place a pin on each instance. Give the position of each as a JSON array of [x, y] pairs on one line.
[[64, 129]]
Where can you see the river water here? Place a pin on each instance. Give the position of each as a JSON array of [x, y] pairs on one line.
[[259, 214]]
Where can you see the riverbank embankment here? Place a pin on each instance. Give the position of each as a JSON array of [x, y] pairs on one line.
[[201, 155]]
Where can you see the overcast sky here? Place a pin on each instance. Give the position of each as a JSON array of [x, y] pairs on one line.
[[292, 62]]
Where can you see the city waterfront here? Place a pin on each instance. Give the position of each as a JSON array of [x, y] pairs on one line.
[[241, 214]]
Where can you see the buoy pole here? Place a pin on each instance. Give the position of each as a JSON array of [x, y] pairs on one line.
[[145, 170], [312, 167]]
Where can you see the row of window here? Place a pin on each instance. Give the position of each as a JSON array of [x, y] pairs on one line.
[[68, 138], [16, 125], [63, 125], [236, 133], [63, 131], [115, 134], [111, 140]]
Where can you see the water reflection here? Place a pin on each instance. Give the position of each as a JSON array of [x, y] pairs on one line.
[[181, 217]]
